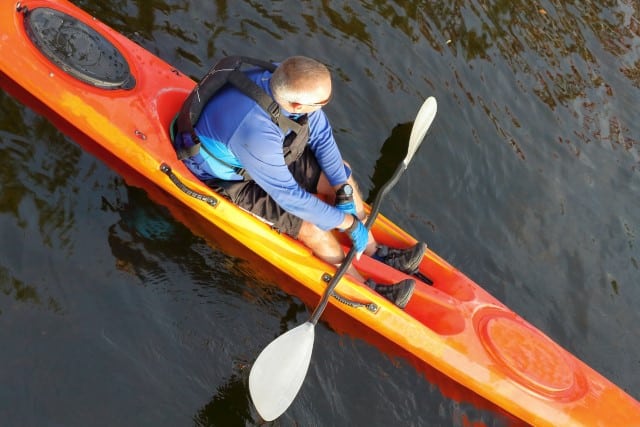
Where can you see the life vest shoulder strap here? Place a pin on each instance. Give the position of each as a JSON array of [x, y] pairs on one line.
[[268, 104]]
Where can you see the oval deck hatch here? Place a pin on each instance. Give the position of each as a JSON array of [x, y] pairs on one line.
[[529, 357], [78, 49]]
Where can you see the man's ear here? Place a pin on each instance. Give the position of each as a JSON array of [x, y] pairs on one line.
[[295, 107]]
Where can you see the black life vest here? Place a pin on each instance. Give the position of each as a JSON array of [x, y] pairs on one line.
[[227, 71]]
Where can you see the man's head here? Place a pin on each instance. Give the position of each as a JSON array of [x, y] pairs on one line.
[[301, 84]]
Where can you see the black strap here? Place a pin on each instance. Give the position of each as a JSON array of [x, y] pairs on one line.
[[248, 87], [196, 101]]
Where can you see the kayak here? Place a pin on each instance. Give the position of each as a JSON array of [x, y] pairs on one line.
[[124, 98]]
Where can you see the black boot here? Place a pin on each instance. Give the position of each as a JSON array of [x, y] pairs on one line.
[[406, 260], [399, 293]]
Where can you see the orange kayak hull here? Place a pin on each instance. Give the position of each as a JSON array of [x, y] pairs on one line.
[[452, 324]]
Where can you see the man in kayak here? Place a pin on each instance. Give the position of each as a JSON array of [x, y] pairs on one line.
[[265, 143]]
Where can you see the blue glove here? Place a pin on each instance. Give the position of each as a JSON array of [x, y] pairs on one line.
[[347, 207], [359, 235], [344, 200]]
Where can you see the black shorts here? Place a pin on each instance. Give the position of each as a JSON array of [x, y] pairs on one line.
[[250, 196]]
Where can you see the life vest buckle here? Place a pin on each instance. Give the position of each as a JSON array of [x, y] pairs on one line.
[[274, 111]]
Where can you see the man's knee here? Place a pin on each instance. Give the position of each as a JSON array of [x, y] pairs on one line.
[[313, 236], [308, 231]]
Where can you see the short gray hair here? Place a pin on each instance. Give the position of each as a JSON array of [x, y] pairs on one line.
[[295, 77]]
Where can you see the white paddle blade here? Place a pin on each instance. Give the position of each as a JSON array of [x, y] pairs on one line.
[[424, 118], [279, 371]]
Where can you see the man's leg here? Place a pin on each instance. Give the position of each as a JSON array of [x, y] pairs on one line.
[[325, 246]]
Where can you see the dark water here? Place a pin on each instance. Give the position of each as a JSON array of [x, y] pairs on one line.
[[118, 307]]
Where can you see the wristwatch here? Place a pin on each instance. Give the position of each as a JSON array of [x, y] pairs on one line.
[[346, 190]]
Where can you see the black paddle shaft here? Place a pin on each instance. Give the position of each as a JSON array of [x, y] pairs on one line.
[[375, 209]]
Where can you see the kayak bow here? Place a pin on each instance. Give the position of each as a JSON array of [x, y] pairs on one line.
[[124, 98]]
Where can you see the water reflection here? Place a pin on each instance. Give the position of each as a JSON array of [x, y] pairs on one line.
[[149, 243], [33, 180], [36, 173], [230, 406], [393, 151], [12, 288], [555, 50]]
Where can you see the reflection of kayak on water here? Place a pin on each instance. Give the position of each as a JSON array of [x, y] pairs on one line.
[[123, 98], [146, 220]]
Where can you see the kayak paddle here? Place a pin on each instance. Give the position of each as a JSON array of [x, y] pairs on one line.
[[280, 369]]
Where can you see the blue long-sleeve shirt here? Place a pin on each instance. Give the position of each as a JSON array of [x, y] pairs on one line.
[[236, 130]]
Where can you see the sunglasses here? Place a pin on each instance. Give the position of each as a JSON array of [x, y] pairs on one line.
[[317, 104]]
